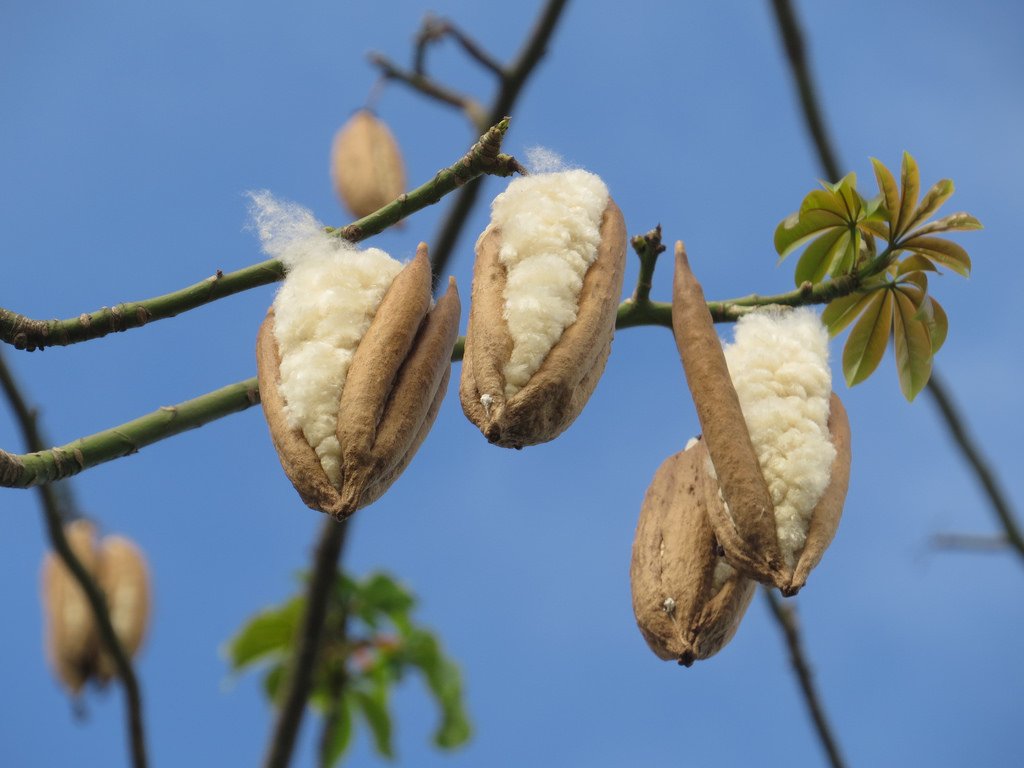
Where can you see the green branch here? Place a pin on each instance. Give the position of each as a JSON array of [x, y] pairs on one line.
[[23, 332], [26, 470]]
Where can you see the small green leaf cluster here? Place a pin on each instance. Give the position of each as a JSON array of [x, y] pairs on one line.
[[370, 643], [841, 230]]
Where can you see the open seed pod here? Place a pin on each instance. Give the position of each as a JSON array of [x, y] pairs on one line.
[[124, 578], [366, 164], [546, 287], [688, 600], [777, 436], [71, 636], [353, 364]]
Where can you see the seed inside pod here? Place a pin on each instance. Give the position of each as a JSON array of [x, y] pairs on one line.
[[688, 601], [786, 433], [351, 361], [366, 164], [546, 286]]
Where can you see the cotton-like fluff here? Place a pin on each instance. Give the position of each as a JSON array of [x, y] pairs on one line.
[[329, 297], [779, 366], [550, 228]]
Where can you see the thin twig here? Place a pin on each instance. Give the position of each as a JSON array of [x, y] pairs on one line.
[[982, 470], [970, 542], [299, 680], [785, 617], [435, 29], [796, 52], [512, 82], [430, 88], [54, 514], [792, 36], [22, 332]]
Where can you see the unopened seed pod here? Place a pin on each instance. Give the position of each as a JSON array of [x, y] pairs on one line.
[[546, 287], [366, 164], [688, 601], [122, 574], [353, 364], [777, 436], [71, 636]]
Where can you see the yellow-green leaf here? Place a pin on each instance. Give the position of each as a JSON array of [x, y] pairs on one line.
[[819, 255], [847, 256], [932, 201], [955, 222], [842, 311], [938, 325], [913, 346], [918, 280], [910, 186], [825, 200], [798, 229], [888, 189], [868, 339], [945, 252], [915, 262]]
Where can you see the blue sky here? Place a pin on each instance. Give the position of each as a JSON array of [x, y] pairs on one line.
[[129, 136]]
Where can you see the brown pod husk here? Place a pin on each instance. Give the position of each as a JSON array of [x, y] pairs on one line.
[[71, 634], [556, 393], [684, 612], [124, 578], [392, 393], [828, 510], [366, 164], [748, 535], [747, 529]]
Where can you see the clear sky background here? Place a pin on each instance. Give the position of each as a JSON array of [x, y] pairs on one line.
[[129, 133]]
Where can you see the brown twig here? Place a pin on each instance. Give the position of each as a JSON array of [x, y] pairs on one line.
[[435, 29], [55, 512], [512, 80], [785, 617], [299, 680], [793, 40]]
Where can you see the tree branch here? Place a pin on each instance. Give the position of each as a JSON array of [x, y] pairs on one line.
[[431, 89], [792, 37], [45, 466], [299, 680], [435, 29], [484, 157], [55, 515], [512, 80], [785, 617]]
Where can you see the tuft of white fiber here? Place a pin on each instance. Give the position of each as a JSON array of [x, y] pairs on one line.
[[779, 366], [550, 228], [329, 297]]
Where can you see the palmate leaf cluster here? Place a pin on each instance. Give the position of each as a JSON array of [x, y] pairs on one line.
[[370, 644], [839, 231]]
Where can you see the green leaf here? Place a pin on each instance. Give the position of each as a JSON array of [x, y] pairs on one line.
[[376, 713], [915, 262], [341, 737], [824, 201], [818, 257], [913, 346], [846, 189], [940, 192], [847, 256], [889, 191], [868, 339], [910, 186], [842, 311], [272, 682], [269, 631], [955, 222], [945, 252], [938, 325], [917, 284], [797, 230], [386, 595], [445, 682]]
